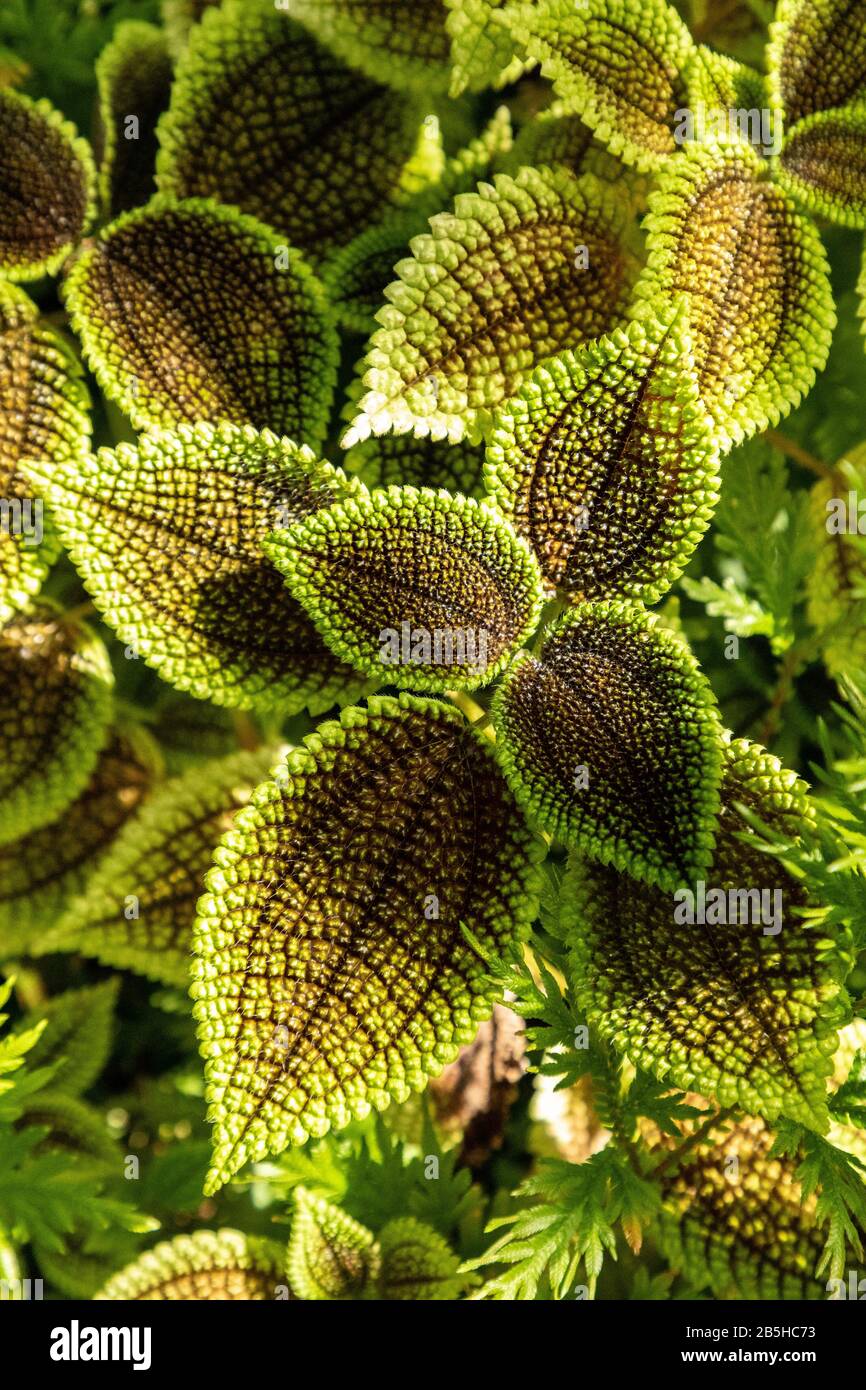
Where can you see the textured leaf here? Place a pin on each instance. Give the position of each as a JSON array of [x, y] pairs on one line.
[[755, 278], [418, 588], [482, 47], [331, 1256], [43, 405], [332, 971], [554, 136], [47, 182], [190, 730], [400, 459], [735, 1220], [718, 82], [42, 871], [134, 76], [152, 292], [55, 704], [610, 740], [167, 538], [836, 583], [139, 906], [737, 1009], [388, 40], [522, 269], [817, 55], [179, 17], [416, 1263], [263, 117], [604, 461], [206, 1266], [617, 63], [823, 165], [356, 276], [76, 1039]]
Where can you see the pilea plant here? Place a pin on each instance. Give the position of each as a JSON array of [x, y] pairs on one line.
[[415, 626]]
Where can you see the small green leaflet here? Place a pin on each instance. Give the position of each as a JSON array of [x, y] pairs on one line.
[[341, 149], [134, 76], [76, 1039], [755, 278], [616, 63], [206, 1266], [611, 742], [153, 289], [48, 179], [55, 705], [220, 625], [138, 908], [421, 589], [817, 55], [43, 414], [332, 971], [605, 461], [405, 45], [823, 166], [720, 989], [331, 1256], [482, 47], [522, 268]]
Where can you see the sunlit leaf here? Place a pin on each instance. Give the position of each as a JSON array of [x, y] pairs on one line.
[[720, 988], [416, 1263], [134, 77], [482, 47], [610, 740], [405, 45], [423, 590], [55, 704], [43, 415], [332, 971], [167, 538], [817, 55], [523, 268], [604, 461], [47, 182], [616, 63], [206, 1266], [138, 908], [755, 278], [331, 1256], [823, 165], [169, 343], [265, 118]]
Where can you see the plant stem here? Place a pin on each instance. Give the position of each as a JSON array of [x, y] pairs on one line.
[[700, 1134], [795, 451], [478, 717]]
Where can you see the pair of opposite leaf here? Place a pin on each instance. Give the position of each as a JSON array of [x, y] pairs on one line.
[[329, 1257]]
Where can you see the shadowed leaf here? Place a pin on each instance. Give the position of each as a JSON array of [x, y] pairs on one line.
[[418, 588], [134, 77], [189, 311], [728, 996], [836, 582], [817, 55], [604, 461], [77, 1036], [523, 268], [416, 1263], [610, 740], [405, 45], [755, 278], [167, 538], [397, 460], [823, 166], [332, 973], [206, 1266]]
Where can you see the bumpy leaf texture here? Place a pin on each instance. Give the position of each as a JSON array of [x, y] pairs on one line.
[[616, 63], [610, 740], [418, 588], [206, 1266], [55, 704], [43, 415], [179, 17], [332, 972], [47, 177], [823, 165], [523, 268], [605, 462], [41, 872], [738, 1005], [394, 460], [817, 55], [167, 538], [417, 1264], [265, 118], [138, 907], [331, 1256], [735, 1220], [722, 84], [755, 278], [836, 583], [388, 40], [134, 76], [482, 47], [190, 311]]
